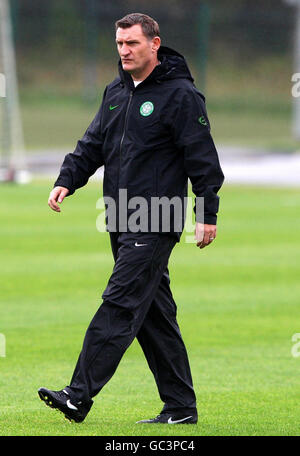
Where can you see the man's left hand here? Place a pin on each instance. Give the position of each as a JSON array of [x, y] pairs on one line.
[[205, 234]]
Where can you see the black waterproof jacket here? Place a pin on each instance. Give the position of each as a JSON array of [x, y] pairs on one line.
[[150, 139]]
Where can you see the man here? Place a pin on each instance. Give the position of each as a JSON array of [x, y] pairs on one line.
[[151, 133]]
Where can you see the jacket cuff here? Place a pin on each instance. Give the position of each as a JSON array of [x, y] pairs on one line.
[[62, 183], [210, 219]]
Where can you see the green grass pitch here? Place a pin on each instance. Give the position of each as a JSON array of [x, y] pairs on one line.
[[238, 308]]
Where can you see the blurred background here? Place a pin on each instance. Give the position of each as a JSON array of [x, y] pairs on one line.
[[241, 53]]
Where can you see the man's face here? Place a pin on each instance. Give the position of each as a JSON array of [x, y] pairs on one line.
[[135, 49]]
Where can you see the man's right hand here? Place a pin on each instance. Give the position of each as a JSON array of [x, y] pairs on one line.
[[57, 195]]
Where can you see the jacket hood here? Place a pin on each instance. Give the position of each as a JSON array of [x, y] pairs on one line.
[[173, 66]]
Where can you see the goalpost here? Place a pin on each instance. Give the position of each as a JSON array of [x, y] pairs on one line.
[[12, 164]]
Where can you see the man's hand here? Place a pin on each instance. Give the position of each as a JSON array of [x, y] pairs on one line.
[[205, 234], [57, 195]]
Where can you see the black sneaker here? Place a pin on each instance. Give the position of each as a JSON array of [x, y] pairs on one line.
[[61, 401], [172, 418]]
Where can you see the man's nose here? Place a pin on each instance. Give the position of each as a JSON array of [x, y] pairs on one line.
[[124, 50]]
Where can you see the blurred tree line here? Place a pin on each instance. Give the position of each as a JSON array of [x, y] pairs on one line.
[[62, 38], [241, 26]]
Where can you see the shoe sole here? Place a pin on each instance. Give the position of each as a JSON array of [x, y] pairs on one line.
[[52, 403], [170, 424]]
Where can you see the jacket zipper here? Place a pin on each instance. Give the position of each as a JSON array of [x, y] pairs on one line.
[[121, 143], [125, 125]]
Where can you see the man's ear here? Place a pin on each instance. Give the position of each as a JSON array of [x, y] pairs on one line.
[[156, 43]]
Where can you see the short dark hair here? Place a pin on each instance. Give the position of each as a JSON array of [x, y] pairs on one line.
[[149, 26]]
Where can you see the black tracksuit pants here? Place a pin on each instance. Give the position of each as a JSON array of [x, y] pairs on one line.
[[137, 302]]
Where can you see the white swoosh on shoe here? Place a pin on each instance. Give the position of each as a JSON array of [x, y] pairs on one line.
[[71, 406], [178, 421]]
